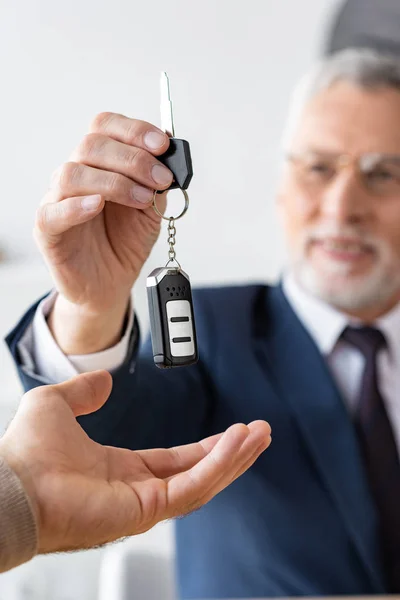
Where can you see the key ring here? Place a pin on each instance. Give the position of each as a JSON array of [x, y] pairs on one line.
[[186, 196]]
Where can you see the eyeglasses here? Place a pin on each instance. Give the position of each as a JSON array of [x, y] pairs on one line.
[[379, 173]]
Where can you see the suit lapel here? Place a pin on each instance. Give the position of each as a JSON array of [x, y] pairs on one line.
[[302, 379]]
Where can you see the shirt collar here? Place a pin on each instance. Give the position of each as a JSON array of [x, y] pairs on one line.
[[389, 324], [323, 322]]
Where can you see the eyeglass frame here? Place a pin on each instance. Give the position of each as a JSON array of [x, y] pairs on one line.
[[344, 160]]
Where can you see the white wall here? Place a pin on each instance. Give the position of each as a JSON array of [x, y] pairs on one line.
[[232, 66]]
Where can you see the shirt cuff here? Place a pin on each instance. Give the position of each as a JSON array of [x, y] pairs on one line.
[[41, 354], [18, 526]]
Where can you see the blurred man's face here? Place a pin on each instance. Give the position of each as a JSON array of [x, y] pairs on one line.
[[342, 226]]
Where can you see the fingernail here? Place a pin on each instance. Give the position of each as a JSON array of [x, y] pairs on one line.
[[142, 194], [161, 175], [154, 140], [91, 203]]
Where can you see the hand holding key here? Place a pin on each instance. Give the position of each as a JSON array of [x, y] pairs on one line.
[[96, 227]]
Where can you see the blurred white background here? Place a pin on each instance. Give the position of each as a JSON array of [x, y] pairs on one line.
[[232, 66]]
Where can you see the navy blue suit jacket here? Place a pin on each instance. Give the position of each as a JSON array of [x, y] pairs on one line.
[[301, 521]]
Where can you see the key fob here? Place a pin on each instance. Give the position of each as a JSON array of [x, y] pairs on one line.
[[173, 332], [178, 160]]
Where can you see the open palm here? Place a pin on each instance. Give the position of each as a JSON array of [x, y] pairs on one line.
[[86, 494]]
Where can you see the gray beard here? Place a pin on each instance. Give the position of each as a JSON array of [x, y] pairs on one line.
[[369, 292]]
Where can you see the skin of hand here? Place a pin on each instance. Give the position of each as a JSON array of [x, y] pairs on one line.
[[96, 226], [85, 494]]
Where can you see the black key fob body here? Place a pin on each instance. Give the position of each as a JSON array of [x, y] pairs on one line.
[[178, 160], [173, 332]]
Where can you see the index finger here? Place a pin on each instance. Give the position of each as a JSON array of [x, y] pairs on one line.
[[131, 131], [218, 468]]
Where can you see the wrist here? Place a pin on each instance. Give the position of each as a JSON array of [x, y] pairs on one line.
[[79, 330], [22, 472]]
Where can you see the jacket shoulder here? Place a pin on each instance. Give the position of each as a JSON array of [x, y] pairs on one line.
[[230, 310], [229, 299]]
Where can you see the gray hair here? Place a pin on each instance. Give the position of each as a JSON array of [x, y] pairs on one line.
[[368, 69]]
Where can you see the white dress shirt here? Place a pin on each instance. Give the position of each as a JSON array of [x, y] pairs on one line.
[[41, 355], [325, 325]]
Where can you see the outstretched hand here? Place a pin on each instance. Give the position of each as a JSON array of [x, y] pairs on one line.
[[86, 494]]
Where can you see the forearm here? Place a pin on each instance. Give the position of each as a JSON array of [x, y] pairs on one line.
[[18, 526], [78, 331]]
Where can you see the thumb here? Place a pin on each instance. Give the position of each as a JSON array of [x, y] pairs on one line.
[[86, 393]]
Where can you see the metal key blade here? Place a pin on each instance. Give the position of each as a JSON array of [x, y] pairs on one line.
[[167, 120]]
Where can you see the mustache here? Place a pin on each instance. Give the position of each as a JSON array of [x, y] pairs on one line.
[[347, 232]]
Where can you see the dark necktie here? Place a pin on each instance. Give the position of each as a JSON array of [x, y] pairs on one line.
[[379, 450]]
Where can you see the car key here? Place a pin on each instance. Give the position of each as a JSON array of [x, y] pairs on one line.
[[172, 325], [177, 158]]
